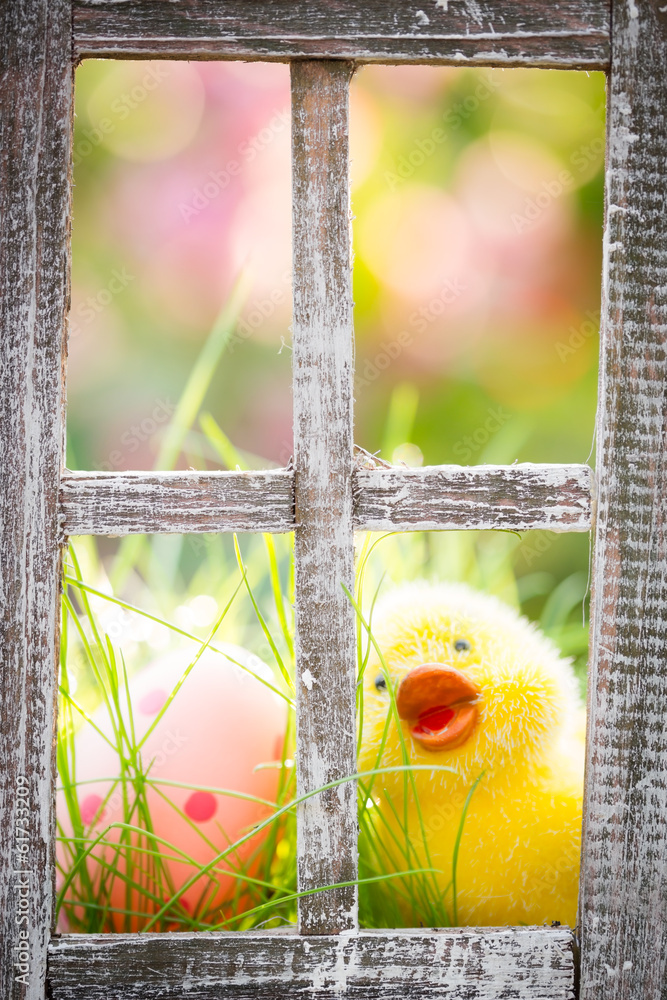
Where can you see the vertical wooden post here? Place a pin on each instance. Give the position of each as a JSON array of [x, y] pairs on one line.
[[623, 899], [35, 131], [324, 546]]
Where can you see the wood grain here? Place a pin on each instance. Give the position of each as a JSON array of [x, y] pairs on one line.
[[122, 503], [624, 875], [35, 129], [514, 497], [448, 497], [324, 540], [572, 33], [524, 963]]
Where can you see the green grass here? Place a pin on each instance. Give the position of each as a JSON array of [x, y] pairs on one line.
[[126, 603], [90, 862], [251, 578]]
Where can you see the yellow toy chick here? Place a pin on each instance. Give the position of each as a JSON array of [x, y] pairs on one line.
[[478, 689]]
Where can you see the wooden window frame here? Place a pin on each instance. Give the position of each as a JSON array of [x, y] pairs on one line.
[[619, 950]]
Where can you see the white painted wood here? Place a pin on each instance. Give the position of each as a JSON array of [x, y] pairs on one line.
[[448, 497], [571, 33], [624, 879], [122, 503], [521, 963], [323, 541], [35, 128], [623, 899]]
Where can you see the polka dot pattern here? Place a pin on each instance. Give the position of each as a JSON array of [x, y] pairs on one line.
[[90, 807], [201, 806]]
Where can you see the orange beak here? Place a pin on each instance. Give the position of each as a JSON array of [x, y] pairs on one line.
[[437, 702]]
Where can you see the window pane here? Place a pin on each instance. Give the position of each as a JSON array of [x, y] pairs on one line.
[[176, 735], [161, 786], [181, 251], [473, 732], [478, 235]]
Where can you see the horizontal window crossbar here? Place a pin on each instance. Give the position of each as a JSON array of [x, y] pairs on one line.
[[449, 497], [126, 503], [524, 963], [511, 497], [571, 34]]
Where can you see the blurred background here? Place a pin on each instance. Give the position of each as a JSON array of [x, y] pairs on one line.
[[477, 203], [477, 224]]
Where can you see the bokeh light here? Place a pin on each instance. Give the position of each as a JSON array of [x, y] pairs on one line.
[[477, 214]]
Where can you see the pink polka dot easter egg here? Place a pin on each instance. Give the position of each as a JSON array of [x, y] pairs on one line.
[[222, 723]]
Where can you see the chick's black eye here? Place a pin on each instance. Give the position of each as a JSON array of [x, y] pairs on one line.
[[462, 646], [380, 683]]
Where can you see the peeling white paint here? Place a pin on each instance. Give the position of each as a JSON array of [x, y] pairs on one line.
[[475, 12], [121, 503], [526, 963], [308, 680], [622, 877], [566, 35], [530, 964], [323, 353], [36, 111], [450, 497]]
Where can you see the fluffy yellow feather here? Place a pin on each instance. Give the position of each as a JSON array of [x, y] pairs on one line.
[[475, 687]]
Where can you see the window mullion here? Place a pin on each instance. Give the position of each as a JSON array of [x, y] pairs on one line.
[[324, 541]]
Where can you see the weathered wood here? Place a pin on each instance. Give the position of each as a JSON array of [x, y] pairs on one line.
[[624, 875], [35, 129], [523, 963], [624, 881], [572, 33], [516, 497], [323, 541], [513, 497], [122, 503]]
